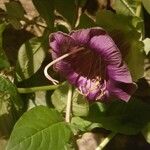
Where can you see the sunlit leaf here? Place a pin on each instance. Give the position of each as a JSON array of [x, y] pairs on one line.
[[30, 57], [125, 7], [40, 128], [3, 59], [146, 4], [80, 106], [10, 104], [147, 45]]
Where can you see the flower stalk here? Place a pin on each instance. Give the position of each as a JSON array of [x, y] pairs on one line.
[[68, 106]]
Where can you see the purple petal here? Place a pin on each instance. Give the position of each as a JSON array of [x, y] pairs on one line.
[[84, 85], [106, 48], [83, 36], [121, 90], [82, 68], [60, 43]]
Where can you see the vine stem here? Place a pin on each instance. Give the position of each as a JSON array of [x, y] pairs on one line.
[[69, 102], [38, 88], [106, 141]]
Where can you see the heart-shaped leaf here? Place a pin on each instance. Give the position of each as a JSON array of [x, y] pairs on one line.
[[40, 128]]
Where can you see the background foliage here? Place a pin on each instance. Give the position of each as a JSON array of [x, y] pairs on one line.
[[32, 111]]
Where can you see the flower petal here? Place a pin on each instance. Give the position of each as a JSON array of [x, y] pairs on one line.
[[60, 43], [104, 46], [83, 36], [121, 90]]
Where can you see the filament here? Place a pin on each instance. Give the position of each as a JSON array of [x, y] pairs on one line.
[[55, 82]]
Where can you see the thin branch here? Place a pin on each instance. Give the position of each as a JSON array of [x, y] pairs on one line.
[[38, 88]]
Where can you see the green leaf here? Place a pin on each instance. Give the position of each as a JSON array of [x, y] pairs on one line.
[[15, 13], [121, 117], [146, 4], [86, 22], [67, 9], [80, 124], [15, 9], [46, 10], [10, 105], [125, 7], [146, 132], [146, 45], [135, 55], [30, 57], [80, 106], [40, 128], [126, 37], [3, 59], [9, 91]]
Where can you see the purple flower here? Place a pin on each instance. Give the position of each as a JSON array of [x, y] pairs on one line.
[[91, 61]]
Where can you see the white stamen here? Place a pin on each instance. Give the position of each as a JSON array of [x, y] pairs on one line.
[[74, 50]]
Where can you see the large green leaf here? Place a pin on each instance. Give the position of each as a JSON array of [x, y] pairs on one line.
[[3, 59], [30, 57], [126, 37], [10, 105], [146, 4], [46, 10], [121, 117], [40, 128], [80, 106]]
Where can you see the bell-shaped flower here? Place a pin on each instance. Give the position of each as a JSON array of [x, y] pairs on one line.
[[91, 61]]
